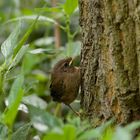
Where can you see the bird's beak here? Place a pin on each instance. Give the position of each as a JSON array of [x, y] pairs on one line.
[[70, 63]]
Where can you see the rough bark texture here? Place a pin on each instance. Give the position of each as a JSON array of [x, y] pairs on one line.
[[110, 59]]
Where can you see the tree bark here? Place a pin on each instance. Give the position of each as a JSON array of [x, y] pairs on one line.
[[110, 60]]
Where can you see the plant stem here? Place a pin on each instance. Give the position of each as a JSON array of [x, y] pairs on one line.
[[2, 96], [69, 34]]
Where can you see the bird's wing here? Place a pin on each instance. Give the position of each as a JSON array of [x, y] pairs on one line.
[[57, 89]]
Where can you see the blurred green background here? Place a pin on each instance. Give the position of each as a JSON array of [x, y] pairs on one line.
[[34, 35]]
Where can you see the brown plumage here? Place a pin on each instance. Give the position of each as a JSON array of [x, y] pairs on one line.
[[65, 82]]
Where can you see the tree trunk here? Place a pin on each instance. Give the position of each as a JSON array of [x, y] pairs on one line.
[[110, 60]]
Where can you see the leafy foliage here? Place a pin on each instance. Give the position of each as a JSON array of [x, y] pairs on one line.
[[14, 100], [26, 58], [22, 132], [8, 45], [70, 6]]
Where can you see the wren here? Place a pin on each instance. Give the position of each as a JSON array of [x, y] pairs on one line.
[[65, 82]]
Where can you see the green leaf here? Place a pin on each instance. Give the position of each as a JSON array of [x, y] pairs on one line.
[[8, 45], [33, 17], [94, 133], [132, 126], [15, 90], [10, 115], [69, 132], [2, 73], [3, 132], [25, 37], [108, 134], [43, 120], [56, 134], [19, 56], [29, 61], [14, 99], [22, 132], [44, 41], [48, 9], [40, 75], [40, 50], [122, 134], [74, 49], [34, 100], [70, 6], [90, 134]]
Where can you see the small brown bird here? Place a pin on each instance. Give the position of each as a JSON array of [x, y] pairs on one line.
[[65, 82]]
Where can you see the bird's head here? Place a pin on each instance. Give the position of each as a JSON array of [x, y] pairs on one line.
[[63, 65]]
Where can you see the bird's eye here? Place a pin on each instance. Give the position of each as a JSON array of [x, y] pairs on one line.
[[66, 65]]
